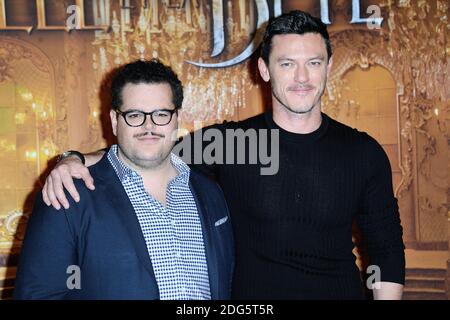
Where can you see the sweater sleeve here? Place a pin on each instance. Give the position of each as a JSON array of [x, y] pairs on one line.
[[379, 219]]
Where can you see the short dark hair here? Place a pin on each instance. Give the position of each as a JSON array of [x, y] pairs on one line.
[[294, 22], [145, 71]]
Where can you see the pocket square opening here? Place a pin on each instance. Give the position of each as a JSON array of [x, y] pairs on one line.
[[221, 221]]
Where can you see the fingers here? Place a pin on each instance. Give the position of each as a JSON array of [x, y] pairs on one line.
[[44, 194], [57, 186], [51, 195], [62, 177], [87, 178], [67, 182]]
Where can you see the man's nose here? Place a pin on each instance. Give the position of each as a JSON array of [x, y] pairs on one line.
[[301, 74], [148, 124]]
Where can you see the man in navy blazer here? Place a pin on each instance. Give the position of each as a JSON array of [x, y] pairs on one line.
[[151, 229]]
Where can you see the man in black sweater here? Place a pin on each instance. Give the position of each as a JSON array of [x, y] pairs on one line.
[[293, 227]]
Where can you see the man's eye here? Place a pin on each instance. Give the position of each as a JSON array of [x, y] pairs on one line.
[[316, 63], [286, 64], [162, 114], [134, 115]]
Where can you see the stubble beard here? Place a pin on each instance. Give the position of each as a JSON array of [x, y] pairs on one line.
[[303, 110]]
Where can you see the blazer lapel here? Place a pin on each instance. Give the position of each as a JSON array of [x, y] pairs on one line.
[[117, 195], [211, 258]]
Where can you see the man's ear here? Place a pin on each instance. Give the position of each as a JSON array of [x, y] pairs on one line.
[[113, 115], [263, 70], [329, 66]]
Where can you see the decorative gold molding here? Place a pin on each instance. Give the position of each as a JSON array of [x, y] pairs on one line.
[[10, 230], [12, 49]]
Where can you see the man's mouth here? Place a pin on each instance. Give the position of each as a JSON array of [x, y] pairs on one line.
[[302, 90]]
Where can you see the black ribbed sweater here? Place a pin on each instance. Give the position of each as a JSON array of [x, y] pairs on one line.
[[293, 230]]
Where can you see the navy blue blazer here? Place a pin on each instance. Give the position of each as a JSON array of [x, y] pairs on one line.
[[101, 235]]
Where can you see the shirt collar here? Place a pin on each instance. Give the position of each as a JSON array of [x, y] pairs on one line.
[[182, 168], [123, 171]]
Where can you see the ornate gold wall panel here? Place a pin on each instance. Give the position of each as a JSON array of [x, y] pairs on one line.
[[27, 131], [418, 45]]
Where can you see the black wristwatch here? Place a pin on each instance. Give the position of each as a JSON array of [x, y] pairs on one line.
[[69, 153]]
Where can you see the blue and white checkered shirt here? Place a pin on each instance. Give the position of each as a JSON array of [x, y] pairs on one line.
[[172, 233]]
